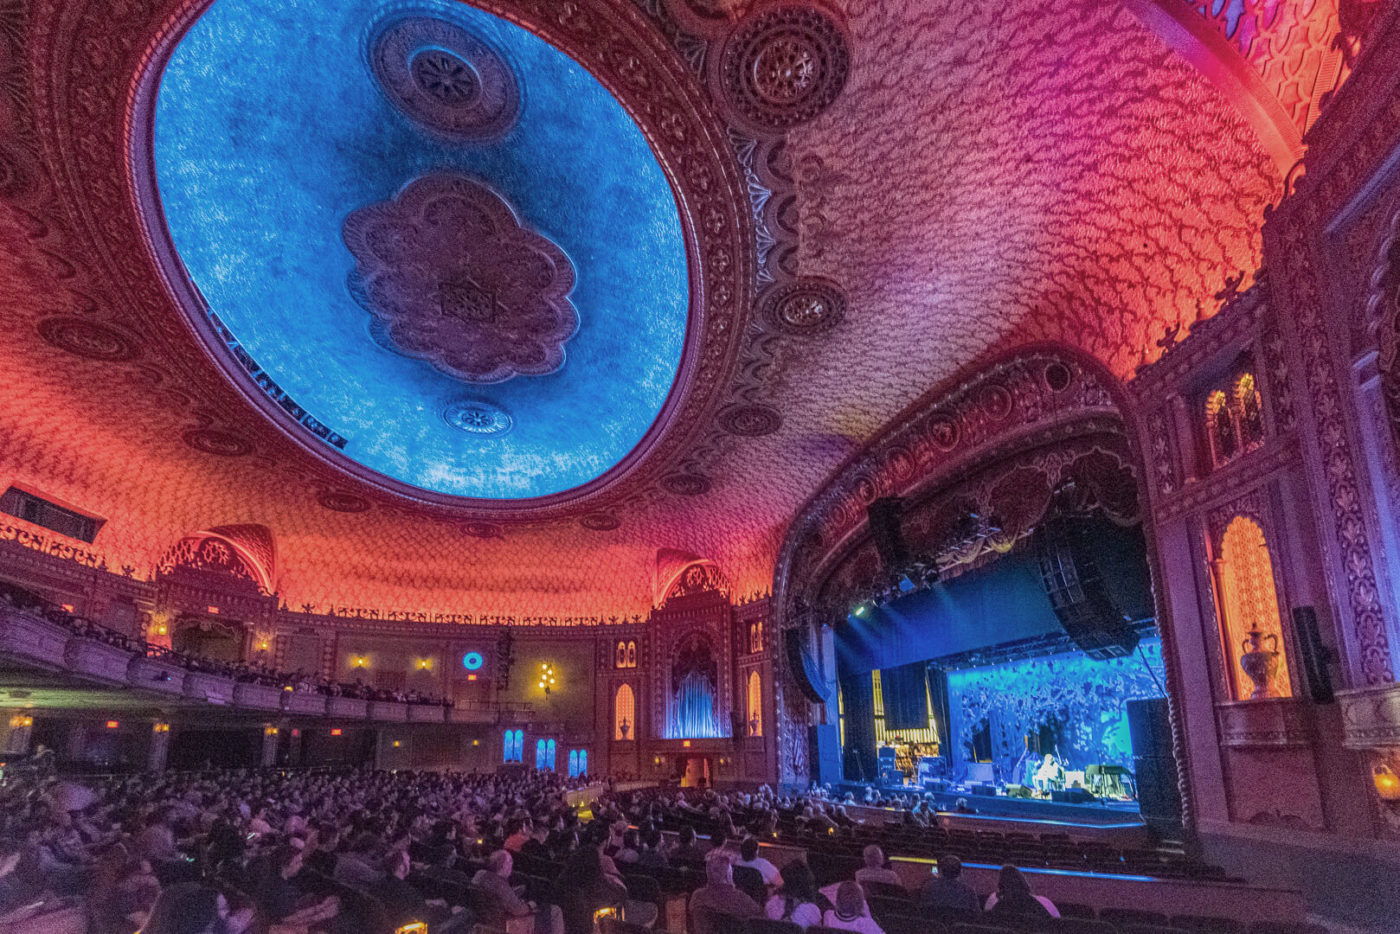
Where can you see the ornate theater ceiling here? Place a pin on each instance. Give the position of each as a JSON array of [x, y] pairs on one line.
[[861, 202]]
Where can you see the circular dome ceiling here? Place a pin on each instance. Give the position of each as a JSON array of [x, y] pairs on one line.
[[436, 242]]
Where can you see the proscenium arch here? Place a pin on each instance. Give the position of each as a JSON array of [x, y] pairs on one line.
[[789, 596]]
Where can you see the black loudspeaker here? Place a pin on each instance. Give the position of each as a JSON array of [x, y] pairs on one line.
[[824, 753], [986, 791], [738, 728], [802, 666], [1081, 600], [1150, 727], [1314, 655], [1155, 772], [886, 517]]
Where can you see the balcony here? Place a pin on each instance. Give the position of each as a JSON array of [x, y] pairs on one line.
[[214, 689], [349, 708], [32, 639], [98, 660], [257, 696], [152, 674], [426, 713], [388, 711], [304, 703]]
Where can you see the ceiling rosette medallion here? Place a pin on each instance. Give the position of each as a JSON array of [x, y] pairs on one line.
[[784, 65], [453, 278], [805, 307], [443, 77]]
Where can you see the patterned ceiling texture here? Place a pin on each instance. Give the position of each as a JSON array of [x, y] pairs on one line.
[[875, 198]]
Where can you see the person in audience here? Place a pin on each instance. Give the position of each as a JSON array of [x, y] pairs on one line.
[[875, 870], [281, 899], [719, 898], [494, 880], [583, 887], [687, 848], [850, 913], [630, 852], [652, 854], [537, 847], [749, 859], [947, 890], [798, 900], [1013, 897], [519, 833], [194, 908], [356, 865]]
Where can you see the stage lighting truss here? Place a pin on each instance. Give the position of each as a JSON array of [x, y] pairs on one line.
[[925, 570]]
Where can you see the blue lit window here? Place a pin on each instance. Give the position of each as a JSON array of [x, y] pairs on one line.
[[578, 762], [514, 746], [544, 754]]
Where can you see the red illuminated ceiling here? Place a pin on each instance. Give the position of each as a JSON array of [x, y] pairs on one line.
[[986, 178]]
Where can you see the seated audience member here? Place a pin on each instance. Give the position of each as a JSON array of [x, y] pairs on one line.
[[1013, 897], [652, 854], [875, 870], [194, 908], [280, 897], [583, 887], [850, 913], [494, 880], [630, 850], [537, 847], [519, 833], [798, 900], [749, 859], [687, 848], [947, 889], [356, 866], [719, 897]]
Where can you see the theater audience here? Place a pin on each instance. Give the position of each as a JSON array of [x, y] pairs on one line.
[[1013, 897], [749, 859], [687, 848], [875, 869], [850, 913], [947, 889], [494, 880], [719, 898], [798, 900]]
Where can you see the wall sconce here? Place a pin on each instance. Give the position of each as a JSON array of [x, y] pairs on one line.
[[20, 721], [1387, 784], [359, 661], [160, 728], [425, 664], [397, 744], [264, 644], [161, 629], [269, 731], [546, 676]]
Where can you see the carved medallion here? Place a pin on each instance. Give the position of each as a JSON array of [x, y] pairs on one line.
[[686, 484], [451, 277], [750, 420], [478, 529], [807, 306], [599, 521], [337, 501], [784, 66], [476, 417], [87, 339], [216, 442], [439, 74]]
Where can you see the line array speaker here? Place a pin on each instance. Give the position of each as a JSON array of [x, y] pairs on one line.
[[1315, 656], [1078, 594], [802, 666], [886, 516]]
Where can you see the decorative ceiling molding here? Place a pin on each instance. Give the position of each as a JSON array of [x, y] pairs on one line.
[[99, 68]]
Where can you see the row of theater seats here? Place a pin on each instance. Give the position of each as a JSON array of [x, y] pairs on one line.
[[896, 911]]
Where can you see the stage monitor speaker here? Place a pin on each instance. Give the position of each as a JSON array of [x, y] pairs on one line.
[[1314, 655], [802, 666], [986, 791], [824, 753], [1081, 600], [886, 516], [1071, 796]]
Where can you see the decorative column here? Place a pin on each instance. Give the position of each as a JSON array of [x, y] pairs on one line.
[[271, 737], [158, 747]]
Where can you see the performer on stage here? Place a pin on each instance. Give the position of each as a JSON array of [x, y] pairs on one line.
[[1050, 774]]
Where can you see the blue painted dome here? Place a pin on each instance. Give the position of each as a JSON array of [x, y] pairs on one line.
[[437, 241]]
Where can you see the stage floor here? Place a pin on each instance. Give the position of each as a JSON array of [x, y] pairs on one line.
[[1102, 813]]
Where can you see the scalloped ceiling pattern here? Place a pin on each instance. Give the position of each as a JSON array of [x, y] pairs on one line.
[[1049, 172]]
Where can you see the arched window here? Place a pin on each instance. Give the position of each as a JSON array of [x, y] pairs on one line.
[[631, 654], [624, 714], [1234, 416], [583, 762], [755, 705], [625, 655], [544, 754], [573, 763], [513, 746], [1249, 605]]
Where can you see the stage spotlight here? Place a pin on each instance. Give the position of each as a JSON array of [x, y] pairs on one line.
[[863, 609], [906, 584]]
